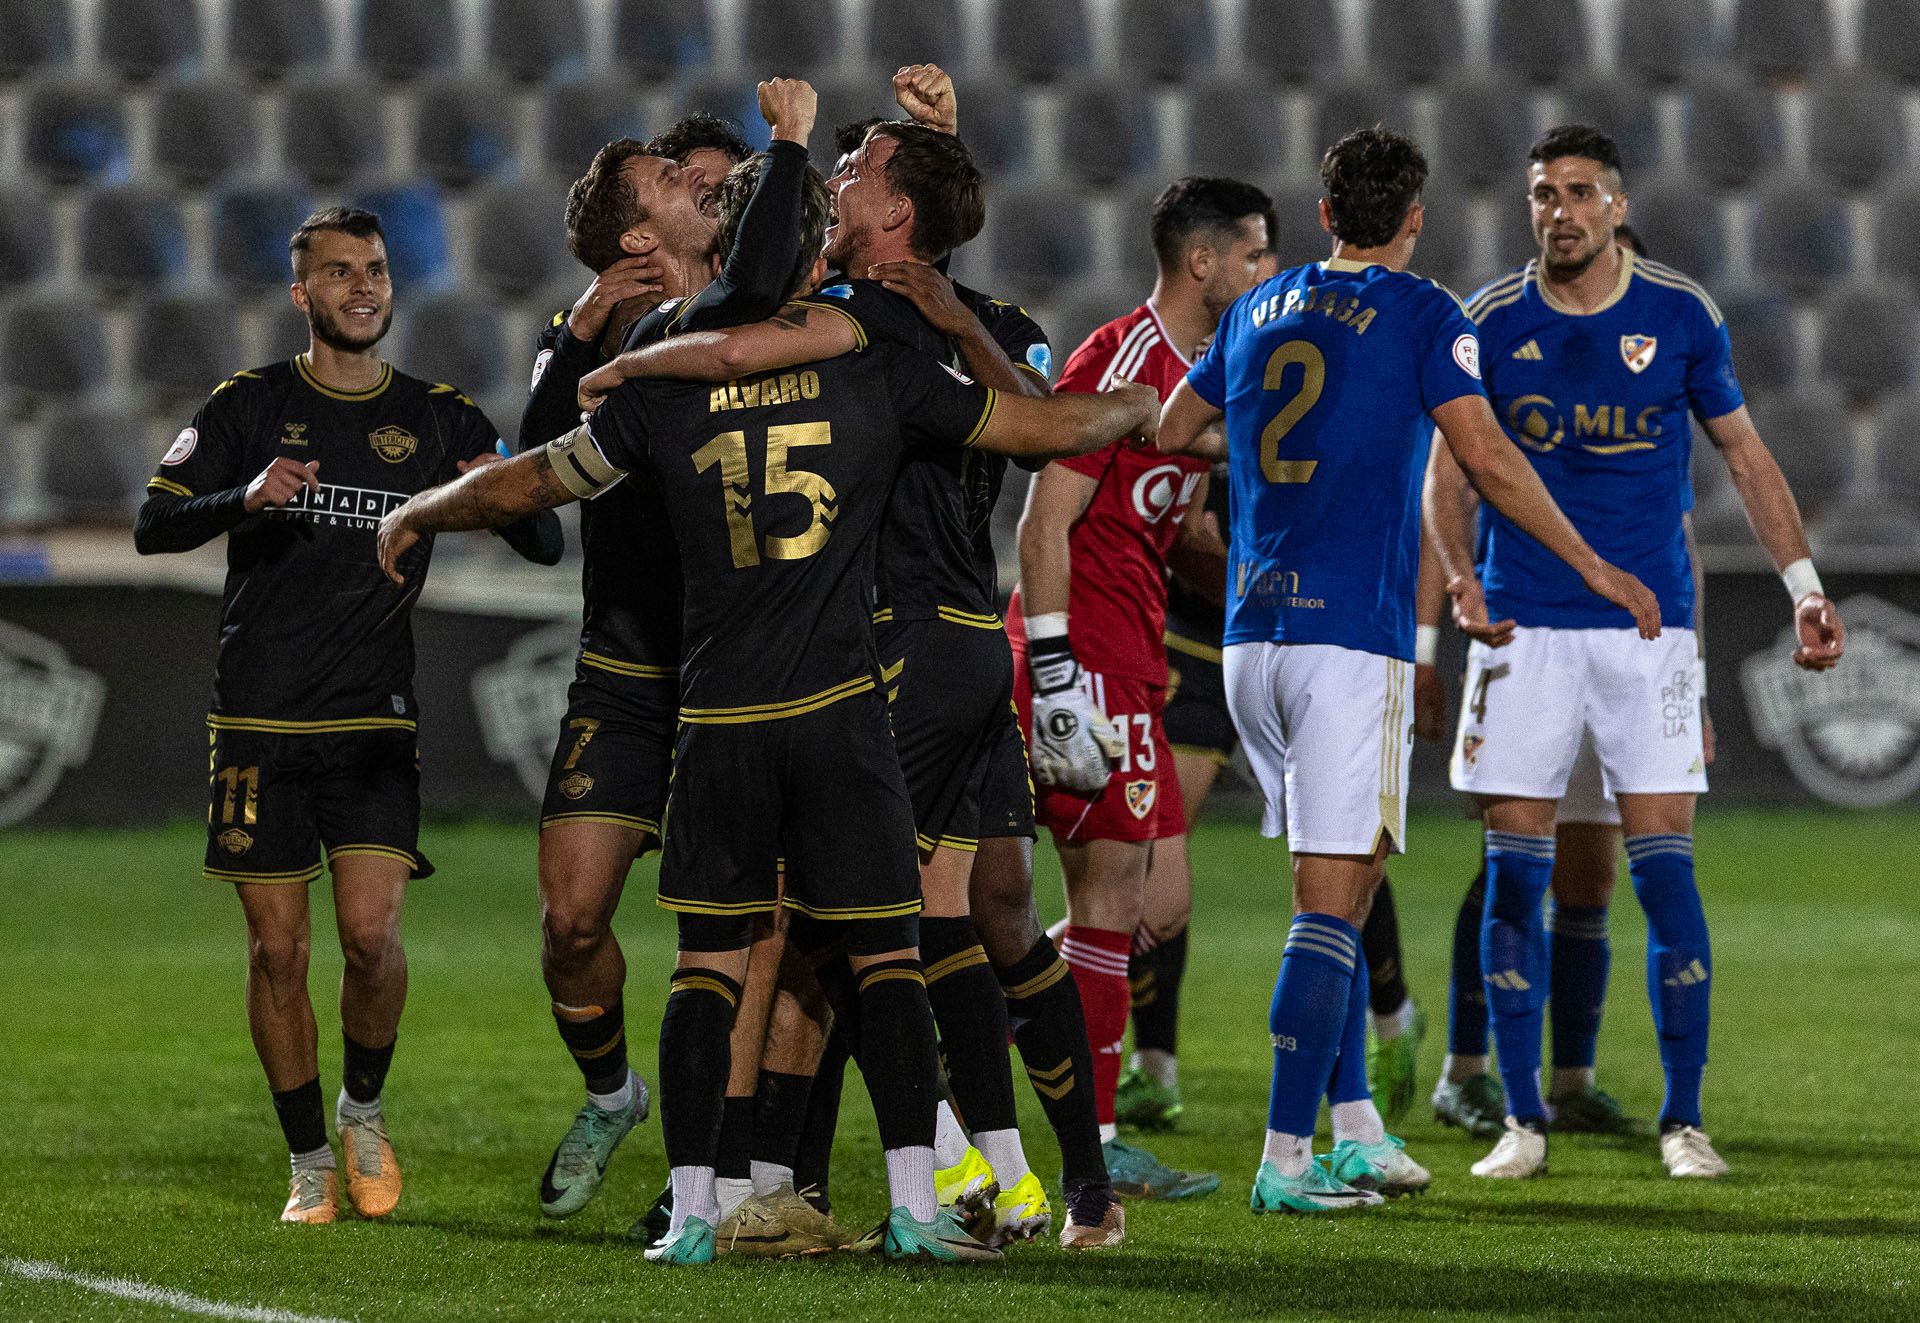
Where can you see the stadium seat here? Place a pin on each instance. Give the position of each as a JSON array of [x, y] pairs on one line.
[[463, 130], [415, 225], [1233, 129], [1171, 41], [1890, 39], [1297, 234], [1760, 323], [398, 39], [845, 100], [1041, 43], [1294, 41], [926, 30], [76, 131], [996, 123], [453, 339], [1413, 41], [1867, 342], [29, 238], [1853, 129], [519, 244], [268, 39], [332, 130], [39, 36], [137, 39], [1037, 240], [1733, 130], [1782, 39], [1811, 434], [1342, 108], [1624, 111], [1679, 227], [185, 345], [1896, 457], [1448, 241], [1801, 239], [54, 345], [729, 98], [654, 39], [105, 456], [536, 40], [131, 238], [1896, 249], [1664, 41], [1485, 129], [204, 130], [796, 35], [251, 226], [283, 330], [578, 119], [1537, 43], [1107, 131]]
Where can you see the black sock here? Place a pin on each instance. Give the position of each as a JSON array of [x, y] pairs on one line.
[[1467, 994], [598, 1040], [971, 1013], [1155, 978], [695, 1056], [736, 1138], [1043, 1006], [366, 1071], [779, 1118], [303, 1116], [1380, 939], [813, 1162], [897, 1053]]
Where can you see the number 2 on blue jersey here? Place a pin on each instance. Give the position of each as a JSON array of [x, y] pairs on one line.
[[1313, 379]]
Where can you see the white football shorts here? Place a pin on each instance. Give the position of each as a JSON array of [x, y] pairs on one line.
[[1528, 707], [1327, 731]]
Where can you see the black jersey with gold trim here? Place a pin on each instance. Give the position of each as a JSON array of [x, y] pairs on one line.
[[776, 487], [936, 547], [313, 636]]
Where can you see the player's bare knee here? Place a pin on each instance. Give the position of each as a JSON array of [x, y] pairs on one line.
[[279, 957], [570, 934], [370, 945]]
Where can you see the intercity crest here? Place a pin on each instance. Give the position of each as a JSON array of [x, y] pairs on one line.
[[393, 444], [1637, 351]]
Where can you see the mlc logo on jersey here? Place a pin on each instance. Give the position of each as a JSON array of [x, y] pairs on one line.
[[1637, 350], [1850, 735], [393, 444], [1162, 488], [49, 709]]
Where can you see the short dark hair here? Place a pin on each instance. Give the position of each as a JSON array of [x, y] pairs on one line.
[[848, 137], [815, 206], [935, 172], [1577, 140], [690, 133], [1372, 177], [359, 223], [602, 206], [1201, 204]]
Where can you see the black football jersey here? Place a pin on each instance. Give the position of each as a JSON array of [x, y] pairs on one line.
[[936, 547], [313, 635], [776, 487]]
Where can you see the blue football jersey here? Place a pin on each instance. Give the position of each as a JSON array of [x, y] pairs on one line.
[[1327, 374], [1600, 402]]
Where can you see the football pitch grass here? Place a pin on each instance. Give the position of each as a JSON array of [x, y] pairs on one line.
[[137, 1141]]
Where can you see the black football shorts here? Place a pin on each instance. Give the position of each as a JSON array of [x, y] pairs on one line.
[[614, 756]]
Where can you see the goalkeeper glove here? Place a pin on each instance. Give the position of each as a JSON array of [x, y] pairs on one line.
[[1074, 746]]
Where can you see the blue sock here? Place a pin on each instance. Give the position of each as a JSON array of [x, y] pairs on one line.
[[1466, 994], [1311, 997], [1580, 955], [1349, 1080], [1679, 965], [1513, 961]]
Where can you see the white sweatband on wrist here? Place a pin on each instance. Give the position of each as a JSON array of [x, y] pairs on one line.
[[1426, 645], [1801, 580], [1052, 625]]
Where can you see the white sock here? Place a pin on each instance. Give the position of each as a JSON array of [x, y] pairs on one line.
[[949, 1140], [1109, 1133], [1002, 1150], [730, 1192], [321, 1158], [617, 1101], [1163, 1068], [1458, 1070], [348, 1109], [1571, 1079], [692, 1197], [1391, 1025], [910, 1182], [1289, 1154], [1359, 1121], [769, 1177]]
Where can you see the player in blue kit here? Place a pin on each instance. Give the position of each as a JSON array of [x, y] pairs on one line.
[[1331, 377], [1602, 358]]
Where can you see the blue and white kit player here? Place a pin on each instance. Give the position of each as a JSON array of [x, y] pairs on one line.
[[1595, 361], [1331, 377]]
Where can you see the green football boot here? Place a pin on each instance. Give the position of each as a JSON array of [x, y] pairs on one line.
[[1137, 1174], [691, 1245], [1478, 1106], [1145, 1104], [942, 1240], [1383, 1167], [1592, 1111], [1313, 1191], [1392, 1064], [578, 1166]]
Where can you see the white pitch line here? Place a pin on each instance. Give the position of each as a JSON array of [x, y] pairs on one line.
[[125, 1288]]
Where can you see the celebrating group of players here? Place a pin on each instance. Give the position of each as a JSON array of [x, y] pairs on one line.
[[795, 682]]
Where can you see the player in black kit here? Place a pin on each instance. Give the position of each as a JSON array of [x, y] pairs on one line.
[[312, 729]]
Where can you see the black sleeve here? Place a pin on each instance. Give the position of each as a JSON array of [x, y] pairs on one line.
[[617, 429], [553, 406], [1023, 339], [199, 489], [935, 407], [539, 537], [753, 284], [650, 328], [167, 522]]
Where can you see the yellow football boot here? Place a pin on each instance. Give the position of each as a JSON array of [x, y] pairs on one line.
[[373, 1173], [313, 1197]]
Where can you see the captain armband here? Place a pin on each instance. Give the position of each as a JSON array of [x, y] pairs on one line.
[[580, 466]]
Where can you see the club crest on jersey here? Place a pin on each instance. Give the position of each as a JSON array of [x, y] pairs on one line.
[[1140, 797], [234, 841], [393, 444], [182, 446], [575, 784], [1637, 351]]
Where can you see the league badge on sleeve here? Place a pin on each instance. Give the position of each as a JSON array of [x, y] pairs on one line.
[[182, 446], [1040, 359], [1637, 350]]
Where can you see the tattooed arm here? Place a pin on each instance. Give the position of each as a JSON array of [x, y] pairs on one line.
[[488, 496], [798, 333]]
